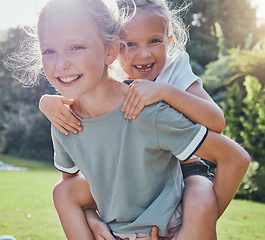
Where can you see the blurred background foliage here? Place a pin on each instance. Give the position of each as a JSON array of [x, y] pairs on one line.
[[227, 50]]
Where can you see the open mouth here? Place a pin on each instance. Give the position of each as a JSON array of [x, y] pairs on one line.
[[69, 79], [144, 68]]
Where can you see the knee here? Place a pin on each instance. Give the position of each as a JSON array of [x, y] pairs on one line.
[[73, 191], [200, 200], [207, 207], [60, 193]]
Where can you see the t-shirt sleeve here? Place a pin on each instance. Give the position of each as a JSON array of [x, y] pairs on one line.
[[178, 72], [178, 134], [62, 160]]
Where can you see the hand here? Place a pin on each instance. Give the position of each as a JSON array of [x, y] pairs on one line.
[[142, 93], [56, 109], [154, 233], [100, 229]]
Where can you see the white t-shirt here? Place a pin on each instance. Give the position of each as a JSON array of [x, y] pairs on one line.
[[177, 71]]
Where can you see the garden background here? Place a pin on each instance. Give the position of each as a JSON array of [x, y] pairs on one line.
[[227, 50]]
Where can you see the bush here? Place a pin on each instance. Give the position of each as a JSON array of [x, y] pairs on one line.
[[245, 123]]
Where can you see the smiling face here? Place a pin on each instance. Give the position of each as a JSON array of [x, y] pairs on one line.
[[73, 52], [146, 51]]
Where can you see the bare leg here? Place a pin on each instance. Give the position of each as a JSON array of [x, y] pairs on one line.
[[71, 196], [199, 210]]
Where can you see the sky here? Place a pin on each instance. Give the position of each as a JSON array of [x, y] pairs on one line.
[[15, 13]]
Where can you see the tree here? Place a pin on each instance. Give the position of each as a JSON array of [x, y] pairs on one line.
[[237, 19], [24, 130], [245, 123], [253, 133], [232, 108], [237, 81]]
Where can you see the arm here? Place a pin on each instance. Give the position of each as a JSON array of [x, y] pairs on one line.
[[194, 103], [232, 163], [56, 109], [197, 105]]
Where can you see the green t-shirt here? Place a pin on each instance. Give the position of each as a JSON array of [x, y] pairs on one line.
[[132, 165]]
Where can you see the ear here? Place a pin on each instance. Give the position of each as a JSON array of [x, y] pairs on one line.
[[113, 50], [169, 40]]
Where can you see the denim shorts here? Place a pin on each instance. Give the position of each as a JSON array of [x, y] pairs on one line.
[[199, 168]]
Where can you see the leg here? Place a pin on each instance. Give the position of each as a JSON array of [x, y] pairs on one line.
[[70, 197], [199, 210]]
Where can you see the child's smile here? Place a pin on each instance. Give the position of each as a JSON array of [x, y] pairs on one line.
[[146, 40], [144, 68], [73, 52], [69, 79]]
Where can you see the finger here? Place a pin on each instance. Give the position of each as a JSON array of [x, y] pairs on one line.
[[70, 124], [133, 106], [66, 116], [129, 106], [131, 103], [154, 233], [125, 102], [66, 100], [61, 129], [139, 107], [107, 235], [66, 126], [71, 117]]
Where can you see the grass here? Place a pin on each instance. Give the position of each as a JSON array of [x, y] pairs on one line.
[[243, 220], [27, 212], [26, 208]]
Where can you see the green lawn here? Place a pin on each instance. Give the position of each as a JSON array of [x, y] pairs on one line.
[[243, 220], [27, 212], [26, 208]]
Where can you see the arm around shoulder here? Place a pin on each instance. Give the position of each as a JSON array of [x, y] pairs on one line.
[[54, 107]]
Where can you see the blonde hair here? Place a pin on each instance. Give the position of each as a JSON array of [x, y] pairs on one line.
[[164, 9], [26, 64]]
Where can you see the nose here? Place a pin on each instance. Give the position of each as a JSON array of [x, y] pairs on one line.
[[143, 52], [63, 62]]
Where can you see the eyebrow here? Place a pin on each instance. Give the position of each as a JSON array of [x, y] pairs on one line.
[[157, 35]]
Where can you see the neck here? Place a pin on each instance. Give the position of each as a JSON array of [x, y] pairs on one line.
[[101, 101]]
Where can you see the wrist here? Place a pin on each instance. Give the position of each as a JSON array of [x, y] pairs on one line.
[[92, 216], [42, 101], [165, 89]]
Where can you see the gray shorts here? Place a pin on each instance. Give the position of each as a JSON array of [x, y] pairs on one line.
[[199, 168]]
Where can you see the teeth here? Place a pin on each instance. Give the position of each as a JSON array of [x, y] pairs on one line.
[[144, 66], [69, 79]]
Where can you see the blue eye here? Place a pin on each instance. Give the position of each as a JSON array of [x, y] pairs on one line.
[[155, 41], [48, 52], [75, 48], [130, 44]]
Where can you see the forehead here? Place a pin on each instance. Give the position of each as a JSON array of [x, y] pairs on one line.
[[145, 23], [62, 21]]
